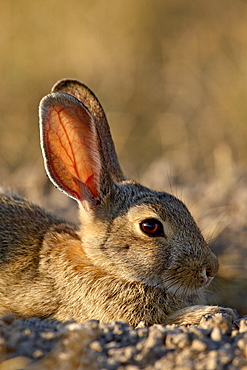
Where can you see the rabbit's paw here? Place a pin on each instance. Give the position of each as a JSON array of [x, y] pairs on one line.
[[194, 315], [228, 311], [213, 310], [222, 318]]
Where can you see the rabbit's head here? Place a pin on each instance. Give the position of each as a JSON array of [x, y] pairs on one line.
[[127, 230]]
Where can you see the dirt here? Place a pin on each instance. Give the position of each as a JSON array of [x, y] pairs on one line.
[[35, 344]]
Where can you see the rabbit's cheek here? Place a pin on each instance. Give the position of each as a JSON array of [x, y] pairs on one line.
[[145, 265]]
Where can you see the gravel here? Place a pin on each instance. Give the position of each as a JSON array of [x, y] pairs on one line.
[[216, 343]]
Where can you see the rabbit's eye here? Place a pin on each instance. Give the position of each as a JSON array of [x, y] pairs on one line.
[[152, 227]]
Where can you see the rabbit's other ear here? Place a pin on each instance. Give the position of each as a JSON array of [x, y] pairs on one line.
[[87, 98], [71, 149]]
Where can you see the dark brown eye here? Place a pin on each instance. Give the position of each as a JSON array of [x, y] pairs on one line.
[[152, 227]]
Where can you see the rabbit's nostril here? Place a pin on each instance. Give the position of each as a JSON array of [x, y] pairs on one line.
[[211, 272], [204, 277]]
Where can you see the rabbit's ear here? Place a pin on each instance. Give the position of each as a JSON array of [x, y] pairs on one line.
[[87, 98], [71, 149]]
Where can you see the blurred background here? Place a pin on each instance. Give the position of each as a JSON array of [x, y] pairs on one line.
[[172, 78]]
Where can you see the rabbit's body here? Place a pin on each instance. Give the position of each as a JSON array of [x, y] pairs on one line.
[[53, 277], [24, 288], [138, 254]]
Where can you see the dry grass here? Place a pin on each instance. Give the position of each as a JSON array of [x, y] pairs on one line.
[[172, 77]]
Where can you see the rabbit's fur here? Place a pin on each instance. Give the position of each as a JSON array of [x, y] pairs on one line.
[[138, 255]]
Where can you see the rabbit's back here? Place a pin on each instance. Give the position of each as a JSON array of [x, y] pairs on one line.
[[22, 227]]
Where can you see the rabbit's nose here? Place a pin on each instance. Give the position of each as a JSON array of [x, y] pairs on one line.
[[211, 266], [206, 277]]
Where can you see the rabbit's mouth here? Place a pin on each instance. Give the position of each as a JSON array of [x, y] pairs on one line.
[[189, 291], [186, 287], [183, 291]]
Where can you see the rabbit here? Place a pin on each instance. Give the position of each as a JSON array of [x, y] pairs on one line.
[[137, 256]]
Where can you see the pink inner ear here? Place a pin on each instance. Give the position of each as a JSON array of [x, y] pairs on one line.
[[71, 149]]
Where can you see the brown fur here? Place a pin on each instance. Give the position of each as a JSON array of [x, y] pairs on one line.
[[108, 269]]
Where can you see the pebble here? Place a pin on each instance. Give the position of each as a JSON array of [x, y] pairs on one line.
[[198, 345], [216, 334], [215, 344], [38, 353], [243, 325], [96, 346], [48, 335]]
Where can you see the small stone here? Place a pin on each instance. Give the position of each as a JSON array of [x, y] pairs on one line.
[[112, 364], [243, 326], [140, 346], [27, 332], [242, 344], [234, 332], [198, 345], [141, 325], [48, 335], [96, 346], [129, 352], [142, 332], [111, 345], [183, 340], [74, 326], [216, 334], [199, 332], [38, 353], [170, 341], [212, 362]]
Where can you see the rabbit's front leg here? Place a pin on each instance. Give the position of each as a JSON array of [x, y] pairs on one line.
[[192, 315]]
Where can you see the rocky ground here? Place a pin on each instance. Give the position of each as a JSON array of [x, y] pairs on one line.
[[216, 343]]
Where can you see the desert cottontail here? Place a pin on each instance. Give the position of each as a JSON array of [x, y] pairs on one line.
[[138, 254]]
